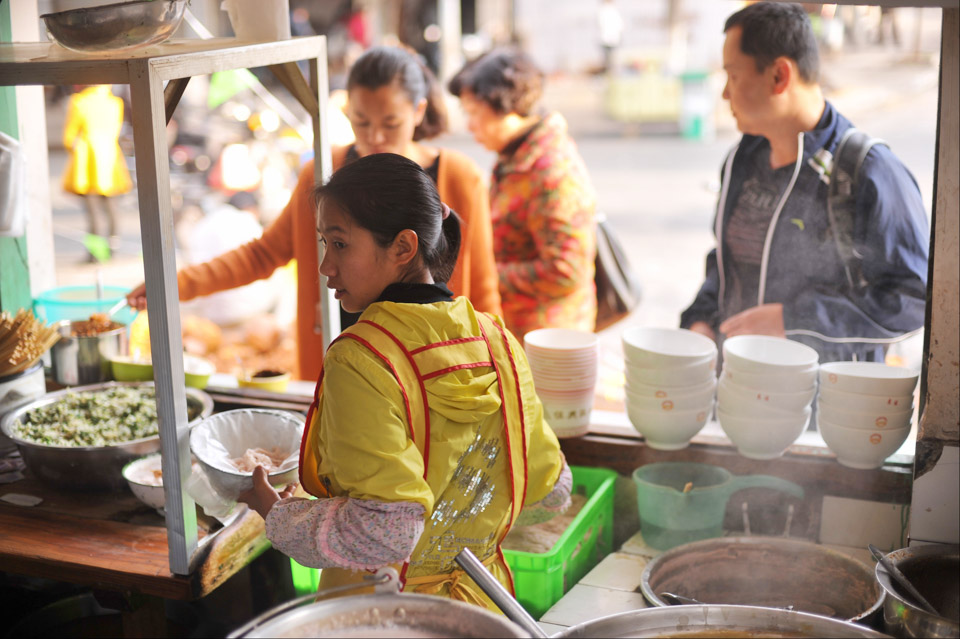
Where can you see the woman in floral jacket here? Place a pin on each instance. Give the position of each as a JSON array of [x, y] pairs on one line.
[[541, 201]]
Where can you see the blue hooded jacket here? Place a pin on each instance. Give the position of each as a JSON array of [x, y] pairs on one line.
[[801, 267]]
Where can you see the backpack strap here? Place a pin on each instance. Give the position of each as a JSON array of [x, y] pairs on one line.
[[842, 199]]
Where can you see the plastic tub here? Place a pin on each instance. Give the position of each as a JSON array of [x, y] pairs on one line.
[[79, 302], [541, 579]]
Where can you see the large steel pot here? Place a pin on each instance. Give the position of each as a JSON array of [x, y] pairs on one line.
[[386, 615], [77, 360], [89, 467], [717, 621], [933, 570], [774, 572]]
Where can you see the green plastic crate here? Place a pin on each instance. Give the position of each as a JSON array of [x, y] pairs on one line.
[[541, 579]]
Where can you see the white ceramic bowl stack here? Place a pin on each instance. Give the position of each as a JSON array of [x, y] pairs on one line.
[[564, 366], [765, 393], [671, 379], [864, 410]]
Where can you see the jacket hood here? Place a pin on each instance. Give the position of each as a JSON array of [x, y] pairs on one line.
[[463, 396]]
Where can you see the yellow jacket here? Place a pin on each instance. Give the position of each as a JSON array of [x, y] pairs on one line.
[[471, 471], [96, 164]]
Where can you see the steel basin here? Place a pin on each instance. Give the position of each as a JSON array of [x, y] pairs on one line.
[[115, 27], [774, 572], [933, 570], [717, 621], [386, 615], [89, 467]]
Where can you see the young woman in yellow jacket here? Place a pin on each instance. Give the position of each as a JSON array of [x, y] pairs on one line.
[[426, 435]]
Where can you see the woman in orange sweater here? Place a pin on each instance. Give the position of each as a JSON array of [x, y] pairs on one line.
[[394, 102]]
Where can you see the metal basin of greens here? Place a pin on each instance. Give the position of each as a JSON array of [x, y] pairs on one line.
[[80, 438]]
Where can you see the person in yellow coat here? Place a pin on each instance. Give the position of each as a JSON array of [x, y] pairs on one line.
[[96, 169], [426, 435]]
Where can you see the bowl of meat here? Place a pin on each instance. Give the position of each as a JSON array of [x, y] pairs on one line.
[[231, 444]]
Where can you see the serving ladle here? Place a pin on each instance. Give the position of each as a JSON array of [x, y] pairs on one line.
[[902, 580]]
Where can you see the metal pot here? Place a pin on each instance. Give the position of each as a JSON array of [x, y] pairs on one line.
[[20, 388], [89, 467], [85, 360], [932, 569], [715, 621], [387, 615], [776, 572]]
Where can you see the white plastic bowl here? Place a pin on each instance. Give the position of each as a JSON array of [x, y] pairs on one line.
[[686, 375], [765, 354], [692, 401], [228, 435], [861, 402], [647, 390], [800, 381], [668, 431], [868, 378], [860, 448], [891, 420], [147, 487], [737, 394], [763, 438], [559, 339], [666, 346]]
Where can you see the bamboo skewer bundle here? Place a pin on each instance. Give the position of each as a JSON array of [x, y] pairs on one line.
[[23, 340]]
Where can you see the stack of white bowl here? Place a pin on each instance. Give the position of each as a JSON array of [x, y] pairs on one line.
[[564, 366], [671, 378], [765, 393], [864, 411]]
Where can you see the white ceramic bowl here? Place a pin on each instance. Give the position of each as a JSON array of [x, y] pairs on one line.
[[687, 375], [765, 354], [875, 420], [655, 347], [800, 381], [763, 438], [735, 394], [143, 482], [868, 378], [668, 430], [218, 439], [647, 390], [861, 402], [861, 448], [693, 401], [730, 402]]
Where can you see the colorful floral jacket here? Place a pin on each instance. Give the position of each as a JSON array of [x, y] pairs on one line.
[[544, 232]]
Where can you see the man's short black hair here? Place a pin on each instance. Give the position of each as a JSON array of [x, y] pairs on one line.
[[774, 29]]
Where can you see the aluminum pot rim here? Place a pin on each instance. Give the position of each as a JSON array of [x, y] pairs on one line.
[[754, 540], [105, 8], [910, 552], [361, 603], [715, 615], [6, 425]]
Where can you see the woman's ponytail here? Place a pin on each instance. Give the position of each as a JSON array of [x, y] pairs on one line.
[[448, 246]]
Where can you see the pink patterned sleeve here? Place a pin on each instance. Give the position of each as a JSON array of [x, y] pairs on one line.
[[555, 503], [357, 534]]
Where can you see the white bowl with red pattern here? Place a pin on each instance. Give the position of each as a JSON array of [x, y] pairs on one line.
[[861, 448], [869, 378]]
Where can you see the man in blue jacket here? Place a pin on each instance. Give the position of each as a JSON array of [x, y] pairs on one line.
[[777, 269]]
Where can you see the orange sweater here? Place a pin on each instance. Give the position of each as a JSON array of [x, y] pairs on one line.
[[293, 235]]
